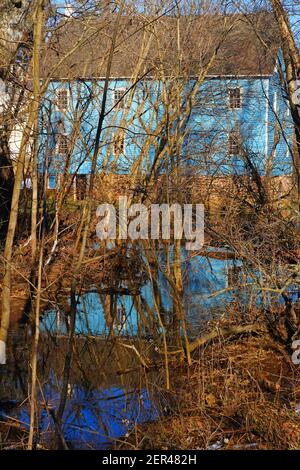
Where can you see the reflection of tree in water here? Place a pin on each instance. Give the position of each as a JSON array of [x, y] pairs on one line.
[[126, 271], [103, 401], [14, 379]]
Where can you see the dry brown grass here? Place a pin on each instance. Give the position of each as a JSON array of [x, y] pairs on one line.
[[238, 394]]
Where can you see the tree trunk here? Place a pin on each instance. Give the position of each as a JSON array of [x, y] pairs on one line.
[[291, 58], [32, 120]]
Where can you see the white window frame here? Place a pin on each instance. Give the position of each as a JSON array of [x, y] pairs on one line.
[[241, 97], [117, 102], [58, 107], [230, 135], [117, 139], [65, 135]]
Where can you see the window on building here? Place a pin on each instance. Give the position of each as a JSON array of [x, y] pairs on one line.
[[235, 98], [62, 99], [233, 143], [62, 144], [119, 145], [118, 97]]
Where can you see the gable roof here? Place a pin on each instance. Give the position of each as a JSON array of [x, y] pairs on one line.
[[245, 45]]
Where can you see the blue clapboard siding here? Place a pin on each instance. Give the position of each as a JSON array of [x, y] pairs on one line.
[[205, 133]]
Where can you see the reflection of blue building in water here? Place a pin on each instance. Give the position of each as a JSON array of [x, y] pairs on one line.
[[209, 285]]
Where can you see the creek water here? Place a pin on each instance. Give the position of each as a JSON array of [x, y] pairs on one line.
[[207, 290], [109, 393], [104, 401]]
